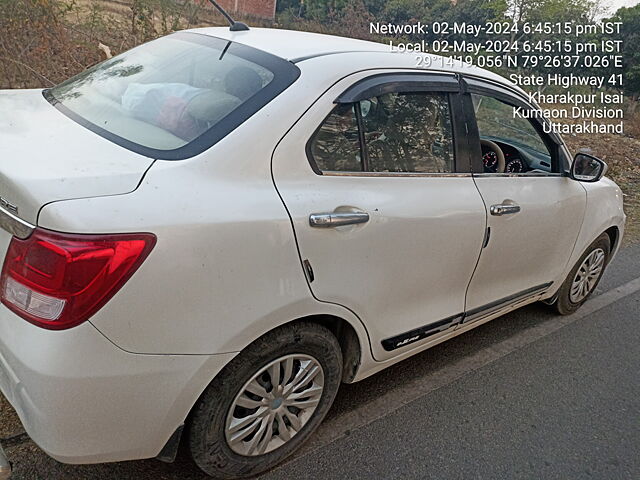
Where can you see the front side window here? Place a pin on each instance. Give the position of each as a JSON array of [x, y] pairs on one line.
[[390, 133], [504, 130], [184, 90]]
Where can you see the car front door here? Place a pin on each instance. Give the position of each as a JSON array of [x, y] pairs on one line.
[[388, 220], [534, 210]]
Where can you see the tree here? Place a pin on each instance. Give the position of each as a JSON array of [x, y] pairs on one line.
[[284, 5], [405, 11], [479, 11], [630, 36], [580, 11], [535, 12], [320, 10]]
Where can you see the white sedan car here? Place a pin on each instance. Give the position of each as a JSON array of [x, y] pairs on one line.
[[206, 235]]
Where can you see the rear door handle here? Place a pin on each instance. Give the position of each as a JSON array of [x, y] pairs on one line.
[[337, 219], [504, 209]]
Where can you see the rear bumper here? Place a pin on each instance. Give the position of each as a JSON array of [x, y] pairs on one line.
[[84, 400]]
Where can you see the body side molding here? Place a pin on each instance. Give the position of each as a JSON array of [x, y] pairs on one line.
[[420, 333], [492, 307]]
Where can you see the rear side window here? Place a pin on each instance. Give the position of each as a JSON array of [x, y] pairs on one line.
[[336, 144], [174, 97], [393, 133], [408, 133]]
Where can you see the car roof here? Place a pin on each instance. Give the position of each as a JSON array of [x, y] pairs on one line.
[[291, 44], [297, 46]]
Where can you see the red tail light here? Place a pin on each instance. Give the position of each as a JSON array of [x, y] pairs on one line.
[[57, 281]]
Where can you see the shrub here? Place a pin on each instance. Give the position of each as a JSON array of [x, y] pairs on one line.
[[44, 42]]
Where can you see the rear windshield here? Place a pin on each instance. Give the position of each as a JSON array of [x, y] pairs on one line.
[[174, 97]]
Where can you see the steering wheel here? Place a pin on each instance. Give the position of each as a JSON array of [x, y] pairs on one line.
[[499, 153]]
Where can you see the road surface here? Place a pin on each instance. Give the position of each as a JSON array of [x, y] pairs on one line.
[[531, 395]]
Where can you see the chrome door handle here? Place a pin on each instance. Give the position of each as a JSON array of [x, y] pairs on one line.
[[337, 219], [504, 209]]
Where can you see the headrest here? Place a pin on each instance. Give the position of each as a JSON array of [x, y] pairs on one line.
[[242, 82], [212, 106]]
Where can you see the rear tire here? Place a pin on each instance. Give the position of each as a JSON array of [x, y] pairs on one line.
[[246, 398], [584, 276]]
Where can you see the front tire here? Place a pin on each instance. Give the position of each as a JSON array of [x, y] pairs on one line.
[[266, 402], [584, 276]]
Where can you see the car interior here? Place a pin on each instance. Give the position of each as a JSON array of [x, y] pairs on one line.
[[408, 132], [510, 144], [164, 105], [404, 132]]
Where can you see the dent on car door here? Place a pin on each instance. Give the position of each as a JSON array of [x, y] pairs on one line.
[[534, 210], [384, 219]]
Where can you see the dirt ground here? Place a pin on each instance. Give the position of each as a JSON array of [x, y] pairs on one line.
[[622, 154]]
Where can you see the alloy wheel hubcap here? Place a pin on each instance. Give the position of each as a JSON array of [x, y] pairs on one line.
[[587, 276], [274, 405]]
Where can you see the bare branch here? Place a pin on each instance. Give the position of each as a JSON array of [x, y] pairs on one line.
[[24, 65]]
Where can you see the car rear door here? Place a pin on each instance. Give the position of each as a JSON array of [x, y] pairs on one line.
[[388, 220], [533, 216]]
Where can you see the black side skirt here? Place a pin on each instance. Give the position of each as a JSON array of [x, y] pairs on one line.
[[420, 333], [492, 307]]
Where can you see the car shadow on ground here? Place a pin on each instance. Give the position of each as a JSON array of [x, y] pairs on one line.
[[30, 462]]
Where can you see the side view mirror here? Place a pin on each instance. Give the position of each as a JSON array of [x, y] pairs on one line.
[[587, 168]]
